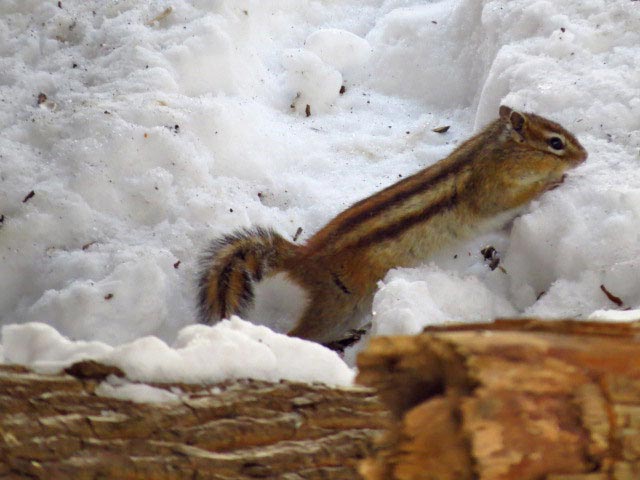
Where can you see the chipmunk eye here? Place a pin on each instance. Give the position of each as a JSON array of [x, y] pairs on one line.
[[556, 143]]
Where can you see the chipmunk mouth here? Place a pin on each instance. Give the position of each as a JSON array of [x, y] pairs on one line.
[[557, 183]]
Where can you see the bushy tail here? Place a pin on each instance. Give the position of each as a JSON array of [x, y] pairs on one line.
[[232, 264]]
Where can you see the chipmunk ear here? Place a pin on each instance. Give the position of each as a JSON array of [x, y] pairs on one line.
[[516, 119], [504, 112]]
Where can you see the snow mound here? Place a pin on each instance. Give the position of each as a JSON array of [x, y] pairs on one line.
[[315, 83], [410, 299], [201, 354], [341, 49], [129, 138]]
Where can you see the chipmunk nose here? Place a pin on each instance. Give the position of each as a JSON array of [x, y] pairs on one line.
[[583, 155], [580, 155]]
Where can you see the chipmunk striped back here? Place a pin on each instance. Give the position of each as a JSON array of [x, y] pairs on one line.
[[479, 186]]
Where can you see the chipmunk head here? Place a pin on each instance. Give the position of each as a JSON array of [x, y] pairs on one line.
[[542, 134], [529, 155]]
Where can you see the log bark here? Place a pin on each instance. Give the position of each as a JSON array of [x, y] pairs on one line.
[[57, 427], [512, 400]]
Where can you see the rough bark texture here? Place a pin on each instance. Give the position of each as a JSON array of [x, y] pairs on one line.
[[56, 427], [513, 400]]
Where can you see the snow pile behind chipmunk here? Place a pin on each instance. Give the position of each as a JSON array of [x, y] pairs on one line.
[[131, 135]]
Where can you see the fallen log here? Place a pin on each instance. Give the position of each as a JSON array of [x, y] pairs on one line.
[[58, 427], [511, 400]]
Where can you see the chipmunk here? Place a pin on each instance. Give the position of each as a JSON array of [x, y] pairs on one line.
[[482, 184]]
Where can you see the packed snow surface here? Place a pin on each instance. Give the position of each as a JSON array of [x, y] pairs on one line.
[[136, 392], [133, 132], [200, 354]]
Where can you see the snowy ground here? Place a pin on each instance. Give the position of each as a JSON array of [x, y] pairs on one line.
[[166, 124]]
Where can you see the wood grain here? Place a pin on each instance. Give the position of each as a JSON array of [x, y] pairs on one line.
[[57, 427], [510, 400]]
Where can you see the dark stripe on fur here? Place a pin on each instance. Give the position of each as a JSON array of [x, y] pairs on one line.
[[203, 307], [246, 298], [374, 210], [338, 281], [223, 283], [405, 223]]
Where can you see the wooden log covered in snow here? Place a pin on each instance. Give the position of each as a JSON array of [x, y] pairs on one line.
[[511, 400], [57, 427]]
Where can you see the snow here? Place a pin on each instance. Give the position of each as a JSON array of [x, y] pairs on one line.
[[278, 301], [161, 131], [438, 295], [200, 354], [342, 50], [615, 315], [136, 392], [313, 81]]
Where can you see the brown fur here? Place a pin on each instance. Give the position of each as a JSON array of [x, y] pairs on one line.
[[493, 173]]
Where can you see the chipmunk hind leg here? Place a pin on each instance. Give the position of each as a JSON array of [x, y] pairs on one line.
[[327, 319], [231, 266]]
